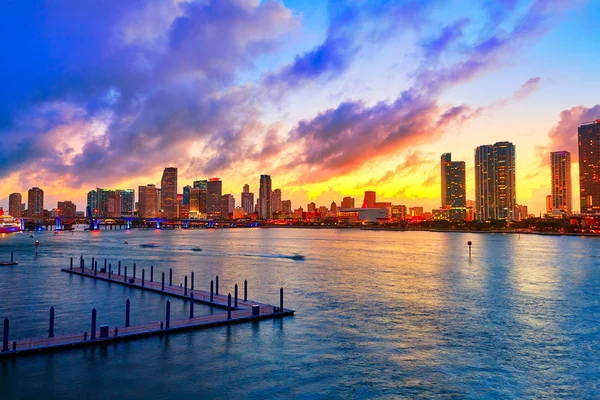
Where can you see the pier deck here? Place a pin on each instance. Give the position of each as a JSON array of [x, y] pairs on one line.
[[242, 313]]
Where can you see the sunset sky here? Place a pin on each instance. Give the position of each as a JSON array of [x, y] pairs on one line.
[[329, 98]]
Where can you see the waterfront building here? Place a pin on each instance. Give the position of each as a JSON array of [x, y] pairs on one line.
[[276, 200], [589, 167], [454, 195], [398, 212], [560, 169], [495, 181], [227, 205], [194, 203], [549, 203], [370, 199], [333, 207], [147, 201], [66, 209], [522, 212], [186, 194], [202, 186], [214, 191], [311, 207], [247, 200], [363, 215], [265, 210], [35, 202], [299, 213], [127, 202], [14, 205], [383, 204], [113, 204], [347, 202], [470, 215], [92, 204], [415, 212], [168, 186], [286, 207]]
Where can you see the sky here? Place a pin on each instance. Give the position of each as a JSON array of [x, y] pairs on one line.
[[330, 98]]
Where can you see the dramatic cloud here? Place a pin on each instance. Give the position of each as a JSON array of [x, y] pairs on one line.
[[563, 135]]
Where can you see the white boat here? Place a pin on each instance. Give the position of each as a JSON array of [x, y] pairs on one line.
[[8, 224]]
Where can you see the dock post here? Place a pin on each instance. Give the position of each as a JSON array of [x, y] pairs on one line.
[[211, 290], [163, 281], [96, 269], [105, 263], [152, 273], [245, 290], [12, 259], [280, 299], [217, 285], [93, 335], [71, 267], [5, 337], [134, 268], [192, 283], [192, 305], [170, 276], [80, 260], [143, 276], [236, 296], [125, 276], [51, 327], [127, 313], [92, 262], [82, 264], [229, 306], [185, 286], [119, 268], [109, 271], [168, 316]]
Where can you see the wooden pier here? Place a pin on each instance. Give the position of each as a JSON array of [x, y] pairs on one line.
[[238, 311]]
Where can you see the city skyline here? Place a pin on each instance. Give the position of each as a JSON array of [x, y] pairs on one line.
[[436, 83]]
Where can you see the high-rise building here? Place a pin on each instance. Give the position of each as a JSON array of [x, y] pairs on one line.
[[453, 182], [560, 168], [147, 201], [66, 209], [333, 207], [214, 191], [415, 211], [247, 200], [495, 182], [168, 186], [276, 200], [348, 202], [186, 194], [159, 203], [194, 202], [549, 203], [265, 210], [202, 186], [92, 204], [35, 202], [589, 167], [370, 199], [311, 207], [286, 207], [227, 205], [102, 198], [14, 205], [127, 202], [113, 204]]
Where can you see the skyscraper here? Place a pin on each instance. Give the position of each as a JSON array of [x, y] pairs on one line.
[[560, 168], [247, 200], [495, 182], [201, 185], [14, 205], [286, 206], [186, 194], [276, 200], [66, 209], [168, 185], [214, 191], [35, 202], [227, 205], [265, 210], [453, 182], [92, 204], [127, 202], [589, 167], [147, 201], [370, 199], [114, 203]]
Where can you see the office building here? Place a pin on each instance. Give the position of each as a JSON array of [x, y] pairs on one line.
[[247, 200], [348, 202], [168, 186], [227, 205], [311, 207], [286, 207], [276, 200], [66, 209], [214, 192], [35, 202], [560, 169], [127, 202], [265, 210], [113, 204], [147, 201], [14, 205], [495, 181], [370, 199]]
